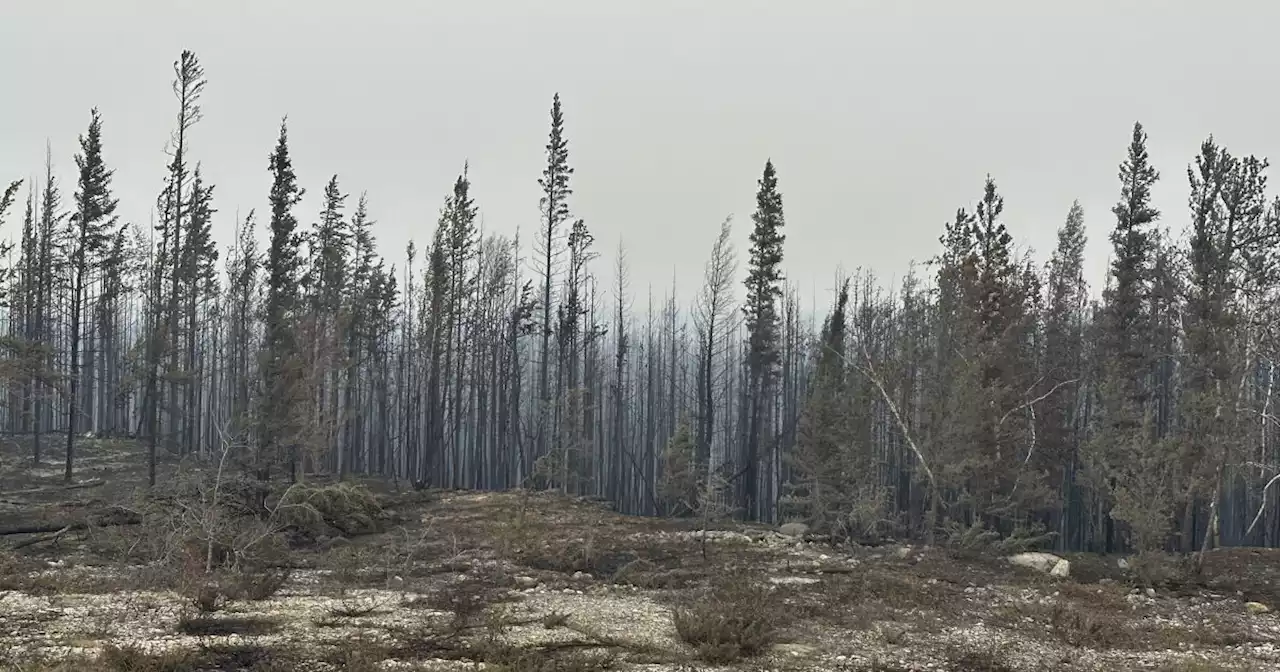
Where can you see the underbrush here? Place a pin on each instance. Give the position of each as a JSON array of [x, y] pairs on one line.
[[733, 619]]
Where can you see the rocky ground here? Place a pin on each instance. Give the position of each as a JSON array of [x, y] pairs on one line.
[[539, 582]]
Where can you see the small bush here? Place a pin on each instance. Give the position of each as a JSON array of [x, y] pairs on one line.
[[733, 621], [1193, 665], [133, 659], [468, 598], [1160, 570], [506, 658], [206, 596], [555, 620], [1085, 627], [258, 585], [353, 609], [977, 660], [212, 626]]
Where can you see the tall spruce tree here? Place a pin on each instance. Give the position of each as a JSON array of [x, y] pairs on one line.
[[1126, 462], [764, 289], [281, 376], [554, 206], [89, 234], [1065, 320]]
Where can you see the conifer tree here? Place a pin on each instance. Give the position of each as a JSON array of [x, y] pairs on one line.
[[554, 207], [763, 283], [281, 376], [89, 234], [1065, 320], [1124, 457]]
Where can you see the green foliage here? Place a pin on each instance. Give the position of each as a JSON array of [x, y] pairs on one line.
[[678, 481], [308, 511]]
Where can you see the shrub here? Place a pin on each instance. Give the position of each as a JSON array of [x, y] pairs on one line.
[[213, 626], [258, 585], [966, 659], [733, 620], [133, 659], [309, 511]]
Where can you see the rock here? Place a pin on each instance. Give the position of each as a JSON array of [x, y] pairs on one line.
[[795, 650], [581, 576], [792, 580], [1061, 570], [1041, 562], [1151, 592], [794, 529], [526, 581], [902, 553], [1123, 563], [1256, 608]]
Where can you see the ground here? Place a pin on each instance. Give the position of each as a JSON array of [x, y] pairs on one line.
[[525, 581]]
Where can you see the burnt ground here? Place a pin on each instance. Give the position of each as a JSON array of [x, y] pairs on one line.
[[380, 579]]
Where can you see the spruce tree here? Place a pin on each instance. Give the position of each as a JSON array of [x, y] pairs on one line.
[[1065, 318], [763, 283], [554, 207], [280, 367], [89, 234], [1124, 459]]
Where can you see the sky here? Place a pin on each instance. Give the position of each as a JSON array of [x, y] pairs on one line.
[[881, 117]]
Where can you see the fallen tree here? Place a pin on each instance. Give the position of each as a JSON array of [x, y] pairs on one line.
[[108, 518]]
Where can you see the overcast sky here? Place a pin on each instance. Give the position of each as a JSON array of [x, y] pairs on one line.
[[881, 117]]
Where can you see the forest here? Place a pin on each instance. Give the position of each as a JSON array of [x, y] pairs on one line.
[[989, 393]]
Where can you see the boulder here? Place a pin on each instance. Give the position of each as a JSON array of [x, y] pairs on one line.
[[1047, 563], [1256, 607], [794, 529]]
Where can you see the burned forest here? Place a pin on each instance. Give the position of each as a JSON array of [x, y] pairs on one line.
[[302, 415]]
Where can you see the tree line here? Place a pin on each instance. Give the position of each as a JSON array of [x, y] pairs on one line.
[[986, 392]]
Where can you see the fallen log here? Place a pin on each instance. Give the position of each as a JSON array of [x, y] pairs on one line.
[[111, 519], [41, 539], [60, 488]]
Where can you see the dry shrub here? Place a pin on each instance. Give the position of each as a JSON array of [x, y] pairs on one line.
[[350, 608], [969, 659], [1079, 626], [1194, 665], [468, 597], [1153, 569], [733, 620], [210, 593], [359, 655], [555, 620], [505, 658], [258, 585], [249, 658], [214, 626], [115, 658], [206, 597]]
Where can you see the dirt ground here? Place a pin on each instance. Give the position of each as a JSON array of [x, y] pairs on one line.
[[538, 582]]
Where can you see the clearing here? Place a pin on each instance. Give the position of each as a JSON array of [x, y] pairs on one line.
[[359, 576]]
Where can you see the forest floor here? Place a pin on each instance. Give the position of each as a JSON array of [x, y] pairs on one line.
[[109, 577]]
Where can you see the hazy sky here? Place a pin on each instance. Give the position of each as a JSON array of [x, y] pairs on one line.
[[881, 117]]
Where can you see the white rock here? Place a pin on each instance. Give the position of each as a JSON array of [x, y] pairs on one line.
[[1038, 561], [1061, 570], [792, 580]]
